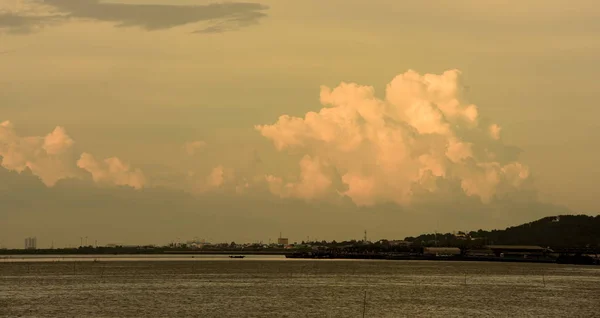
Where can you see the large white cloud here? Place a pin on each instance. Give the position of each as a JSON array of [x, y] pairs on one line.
[[421, 132], [53, 158], [49, 157]]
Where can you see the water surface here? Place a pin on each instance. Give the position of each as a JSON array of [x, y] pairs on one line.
[[272, 286]]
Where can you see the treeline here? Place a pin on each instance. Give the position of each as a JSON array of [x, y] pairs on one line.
[[564, 231]]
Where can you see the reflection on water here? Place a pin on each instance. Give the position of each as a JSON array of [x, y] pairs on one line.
[[271, 286]]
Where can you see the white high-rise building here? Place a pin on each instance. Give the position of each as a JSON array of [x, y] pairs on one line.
[[31, 243]]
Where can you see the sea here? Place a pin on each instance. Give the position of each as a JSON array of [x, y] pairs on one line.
[[273, 286]]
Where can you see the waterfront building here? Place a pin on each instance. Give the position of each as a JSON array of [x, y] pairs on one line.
[[441, 251]]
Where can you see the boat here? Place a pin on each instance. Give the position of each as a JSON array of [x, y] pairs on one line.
[[237, 256]]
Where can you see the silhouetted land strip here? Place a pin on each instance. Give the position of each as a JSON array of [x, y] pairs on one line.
[[568, 239], [423, 258], [366, 251], [139, 251]]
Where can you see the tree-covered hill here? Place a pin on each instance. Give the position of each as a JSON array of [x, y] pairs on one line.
[[556, 232]]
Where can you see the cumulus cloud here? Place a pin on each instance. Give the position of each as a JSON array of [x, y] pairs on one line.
[[111, 171], [218, 179], [312, 183], [495, 131], [49, 157], [221, 16], [52, 158], [57, 141], [421, 133]]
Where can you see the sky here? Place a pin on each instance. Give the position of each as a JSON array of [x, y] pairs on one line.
[[152, 121]]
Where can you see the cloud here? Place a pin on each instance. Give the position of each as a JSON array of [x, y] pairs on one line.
[[384, 150], [313, 182], [52, 158], [219, 179], [22, 17], [111, 171], [192, 147], [233, 23], [49, 157], [21, 24], [221, 16], [57, 141], [74, 208], [495, 131], [216, 177]]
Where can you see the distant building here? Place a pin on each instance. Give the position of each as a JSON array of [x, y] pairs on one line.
[[282, 241], [441, 251], [30, 243], [518, 250]]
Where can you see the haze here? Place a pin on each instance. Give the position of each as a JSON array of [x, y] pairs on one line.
[[139, 122]]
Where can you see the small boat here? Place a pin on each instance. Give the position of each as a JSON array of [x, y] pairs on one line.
[[237, 256]]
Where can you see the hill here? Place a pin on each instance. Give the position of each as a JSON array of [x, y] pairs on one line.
[[556, 232]]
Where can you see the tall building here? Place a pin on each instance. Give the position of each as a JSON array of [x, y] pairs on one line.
[[282, 240], [30, 243]]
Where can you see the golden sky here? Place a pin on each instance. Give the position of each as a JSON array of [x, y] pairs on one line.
[[400, 117]]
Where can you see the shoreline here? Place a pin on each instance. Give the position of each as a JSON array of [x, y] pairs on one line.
[[188, 255], [76, 252]]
